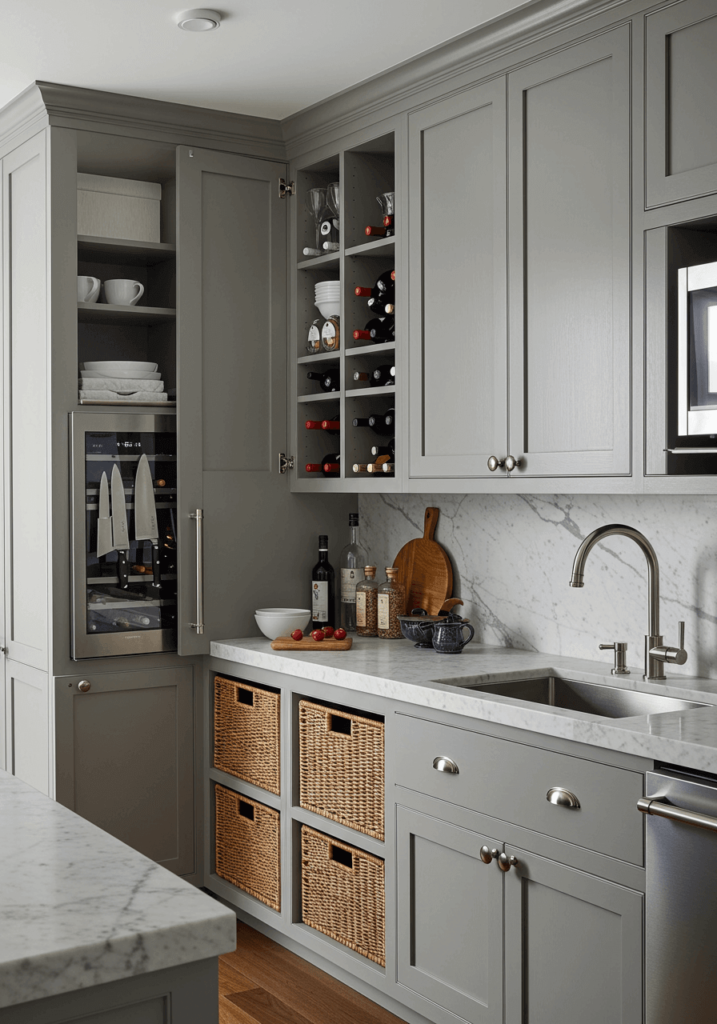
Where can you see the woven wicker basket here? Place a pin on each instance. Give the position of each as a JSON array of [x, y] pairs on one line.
[[341, 767], [248, 846], [342, 894], [246, 732]]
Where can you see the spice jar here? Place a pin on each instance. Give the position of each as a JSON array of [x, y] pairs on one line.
[[367, 603], [391, 602]]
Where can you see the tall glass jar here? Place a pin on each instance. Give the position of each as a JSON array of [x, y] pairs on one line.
[[367, 603], [391, 601]]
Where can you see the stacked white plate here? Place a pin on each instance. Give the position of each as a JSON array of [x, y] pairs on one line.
[[121, 380], [328, 298]]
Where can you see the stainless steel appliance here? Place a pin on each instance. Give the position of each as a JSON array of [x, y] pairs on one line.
[[696, 405], [124, 500], [681, 898]]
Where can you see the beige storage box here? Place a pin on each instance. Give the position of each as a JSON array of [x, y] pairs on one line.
[[247, 843], [118, 208]]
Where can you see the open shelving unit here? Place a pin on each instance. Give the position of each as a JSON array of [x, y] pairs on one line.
[[364, 171]]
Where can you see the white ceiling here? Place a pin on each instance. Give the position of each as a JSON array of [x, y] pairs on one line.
[[269, 57]]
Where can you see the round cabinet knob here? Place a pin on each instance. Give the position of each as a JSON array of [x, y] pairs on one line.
[[505, 862], [487, 855], [495, 463], [84, 685], [562, 798], [512, 463], [445, 764]]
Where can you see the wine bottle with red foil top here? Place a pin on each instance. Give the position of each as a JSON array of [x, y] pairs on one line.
[[330, 465], [383, 288], [330, 426], [377, 330], [328, 381]]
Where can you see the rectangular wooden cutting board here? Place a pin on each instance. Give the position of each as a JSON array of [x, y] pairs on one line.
[[285, 643]]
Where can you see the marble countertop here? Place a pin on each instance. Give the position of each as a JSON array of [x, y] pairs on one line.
[[397, 669], [79, 908]]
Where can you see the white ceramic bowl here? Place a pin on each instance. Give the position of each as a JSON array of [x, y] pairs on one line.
[[121, 364], [274, 622], [122, 374], [328, 309]]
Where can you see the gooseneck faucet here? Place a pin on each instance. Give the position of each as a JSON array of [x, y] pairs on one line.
[[656, 654]]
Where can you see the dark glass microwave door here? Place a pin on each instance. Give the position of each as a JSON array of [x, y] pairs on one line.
[[703, 354]]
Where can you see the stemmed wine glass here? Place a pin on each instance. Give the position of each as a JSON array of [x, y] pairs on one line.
[[333, 199], [387, 202], [316, 204]]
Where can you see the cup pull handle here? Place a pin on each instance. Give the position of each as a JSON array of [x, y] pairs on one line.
[[562, 798], [445, 764]]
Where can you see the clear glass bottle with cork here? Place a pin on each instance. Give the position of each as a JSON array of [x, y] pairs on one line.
[[391, 602], [367, 603]]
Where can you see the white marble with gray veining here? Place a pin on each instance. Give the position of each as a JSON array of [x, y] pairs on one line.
[[79, 908], [398, 670], [512, 556]]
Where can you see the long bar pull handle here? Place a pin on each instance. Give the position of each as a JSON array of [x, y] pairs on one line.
[[677, 814], [199, 516]]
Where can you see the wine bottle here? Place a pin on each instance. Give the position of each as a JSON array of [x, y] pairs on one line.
[[384, 288], [330, 426], [381, 307], [331, 246], [360, 467], [385, 282], [380, 467], [375, 231], [329, 381], [380, 423], [383, 375], [385, 449], [377, 330], [308, 251], [353, 559], [329, 466], [323, 607], [363, 377]]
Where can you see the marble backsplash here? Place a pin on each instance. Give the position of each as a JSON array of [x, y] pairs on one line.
[[512, 557]]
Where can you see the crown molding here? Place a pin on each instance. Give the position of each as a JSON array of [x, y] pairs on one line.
[[22, 116], [458, 56]]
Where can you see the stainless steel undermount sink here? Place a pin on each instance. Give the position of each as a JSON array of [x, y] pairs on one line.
[[593, 698]]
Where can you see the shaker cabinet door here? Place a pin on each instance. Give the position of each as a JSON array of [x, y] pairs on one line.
[[573, 946], [457, 284], [450, 920], [231, 391], [569, 264], [680, 108]]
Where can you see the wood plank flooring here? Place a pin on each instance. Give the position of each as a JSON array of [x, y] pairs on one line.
[[263, 983]]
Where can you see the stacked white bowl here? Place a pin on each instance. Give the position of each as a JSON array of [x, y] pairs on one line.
[[121, 380], [328, 298], [274, 622]]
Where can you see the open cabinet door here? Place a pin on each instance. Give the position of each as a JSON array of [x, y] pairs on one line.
[[231, 393]]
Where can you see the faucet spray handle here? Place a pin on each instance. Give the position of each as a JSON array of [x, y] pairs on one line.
[[620, 648], [681, 635]]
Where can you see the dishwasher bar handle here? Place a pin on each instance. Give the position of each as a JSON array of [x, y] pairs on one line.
[[677, 814]]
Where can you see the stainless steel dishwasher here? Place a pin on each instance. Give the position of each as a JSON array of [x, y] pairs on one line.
[[681, 898]]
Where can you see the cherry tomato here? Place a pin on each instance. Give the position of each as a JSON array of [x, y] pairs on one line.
[[339, 634], [297, 635], [318, 634], [328, 631]]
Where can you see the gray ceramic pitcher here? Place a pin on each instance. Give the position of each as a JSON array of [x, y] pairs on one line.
[[448, 636]]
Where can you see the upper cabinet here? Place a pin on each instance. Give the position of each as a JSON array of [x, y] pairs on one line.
[[569, 257], [681, 114], [457, 284]]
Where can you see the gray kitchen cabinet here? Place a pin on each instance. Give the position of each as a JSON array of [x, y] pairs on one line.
[[556, 943], [573, 945], [680, 112], [125, 758], [569, 260], [457, 280], [450, 918]]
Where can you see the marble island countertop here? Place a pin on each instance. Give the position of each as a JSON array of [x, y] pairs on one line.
[[397, 669], [79, 908]]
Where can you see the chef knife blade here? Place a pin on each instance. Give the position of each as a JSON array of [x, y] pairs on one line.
[[145, 515], [104, 523], [120, 535]]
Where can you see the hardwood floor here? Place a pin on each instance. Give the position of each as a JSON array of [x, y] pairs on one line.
[[263, 983]]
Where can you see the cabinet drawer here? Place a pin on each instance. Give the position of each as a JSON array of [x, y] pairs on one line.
[[510, 781]]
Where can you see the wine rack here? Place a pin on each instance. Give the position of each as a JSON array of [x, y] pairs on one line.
[[364, 171]]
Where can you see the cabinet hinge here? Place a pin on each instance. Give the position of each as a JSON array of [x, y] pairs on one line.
[[286, 188], [286, 462]]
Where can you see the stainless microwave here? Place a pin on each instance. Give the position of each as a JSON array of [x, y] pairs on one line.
[[124, 558], [696, 405]]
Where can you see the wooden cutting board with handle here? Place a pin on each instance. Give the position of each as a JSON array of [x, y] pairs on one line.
[[425, 569]]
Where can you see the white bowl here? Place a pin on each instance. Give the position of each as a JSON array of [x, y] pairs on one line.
[[122, 374], [274, 622], [327, 291], [122, 364], [328, 309]]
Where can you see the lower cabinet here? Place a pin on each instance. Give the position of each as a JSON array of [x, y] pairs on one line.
[[540, 942], [125, 758]]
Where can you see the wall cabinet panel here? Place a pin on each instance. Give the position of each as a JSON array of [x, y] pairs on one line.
[[457, 330], [681, 115], [569, 195]]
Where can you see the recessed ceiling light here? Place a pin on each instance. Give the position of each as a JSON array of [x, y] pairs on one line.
[[199, 20]]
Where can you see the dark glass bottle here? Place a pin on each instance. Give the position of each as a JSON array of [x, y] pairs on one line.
[[323, 600], [385, 449], [330, 465], [383, 375], [330, 426], [377, 330], [328, 381], [381, 305], [380, 423]]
